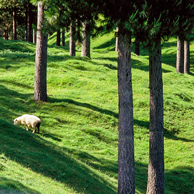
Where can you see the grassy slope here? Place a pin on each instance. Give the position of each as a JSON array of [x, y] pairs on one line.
[[76, 151]]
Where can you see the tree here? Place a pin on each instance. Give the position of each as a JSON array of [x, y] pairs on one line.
[[85, 50], [72, 39], [22, 13], [63, 37], [40, 82], [14, 23], [185, 12], [180, 55], [117, 39], [186, 56], [58, 37], [156, 143], [34, 36], [126, 162], [29, 22]]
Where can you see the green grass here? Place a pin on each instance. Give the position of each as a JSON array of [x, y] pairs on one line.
[[76, 150]]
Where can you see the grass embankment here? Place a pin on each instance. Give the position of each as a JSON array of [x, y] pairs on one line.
[[76, 151]]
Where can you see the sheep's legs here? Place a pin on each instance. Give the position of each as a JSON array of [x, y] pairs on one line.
[[34, 130], [27, 128]]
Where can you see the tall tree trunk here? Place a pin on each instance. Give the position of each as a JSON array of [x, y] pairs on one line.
[[58, 37], [85, 52], [14, 24], [63, 37], [78, 36], [117, 39], [180, 55], [72, 39], [40, 83], [30, 37], [5, 32], [34, 36], [186, 57], [155, 183], [26, 26], [126, 164]]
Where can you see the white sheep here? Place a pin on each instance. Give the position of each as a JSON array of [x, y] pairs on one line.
[[28, 121]]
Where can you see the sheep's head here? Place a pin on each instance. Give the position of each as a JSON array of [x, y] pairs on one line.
[[16, 122]]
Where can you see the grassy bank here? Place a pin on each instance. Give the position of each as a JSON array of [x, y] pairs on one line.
[[76, 150]]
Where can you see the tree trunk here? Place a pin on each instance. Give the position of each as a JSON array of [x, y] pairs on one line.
[[186, 57], [78, 36], [5, 32], [180, 56], [85, 52], [34, 36], [40, 83], [26, 26], [126, 164], [14, 24], [58, 37], [155, 183], [30, 37], [63, 37], [117, 39], [137, 50], [72, 39]]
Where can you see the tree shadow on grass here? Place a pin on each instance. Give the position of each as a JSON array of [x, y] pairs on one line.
[[177, 180], [145, 124], [180, 180], [59, 163], [9, 186], [137, 64], [106, 45], [171, 135], [43, 157]]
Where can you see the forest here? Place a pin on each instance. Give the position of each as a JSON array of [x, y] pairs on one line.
[[112, 83]]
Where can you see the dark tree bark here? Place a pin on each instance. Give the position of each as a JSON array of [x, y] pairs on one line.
[[14, 24], [126, 164], [63, 37], [40, 83], [180, 56], [117, 39], [186, 57], [58, 37], [30, 35], [72, 39], [155, 183], [26, 26], [85, 51], [34, 36], [78, 35], [5, 32]]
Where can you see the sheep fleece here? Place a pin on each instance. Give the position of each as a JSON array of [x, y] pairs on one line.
[[30, 121]]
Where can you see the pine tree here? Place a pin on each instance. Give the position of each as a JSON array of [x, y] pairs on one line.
[[126, 162], [85, 50], [40, 82], [156, 143], [63, 37], [180, 55], [58, 37], [72, 39], [185, 14], [186, 57]]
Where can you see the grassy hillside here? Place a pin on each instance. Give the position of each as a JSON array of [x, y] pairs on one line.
[[76, 150]]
